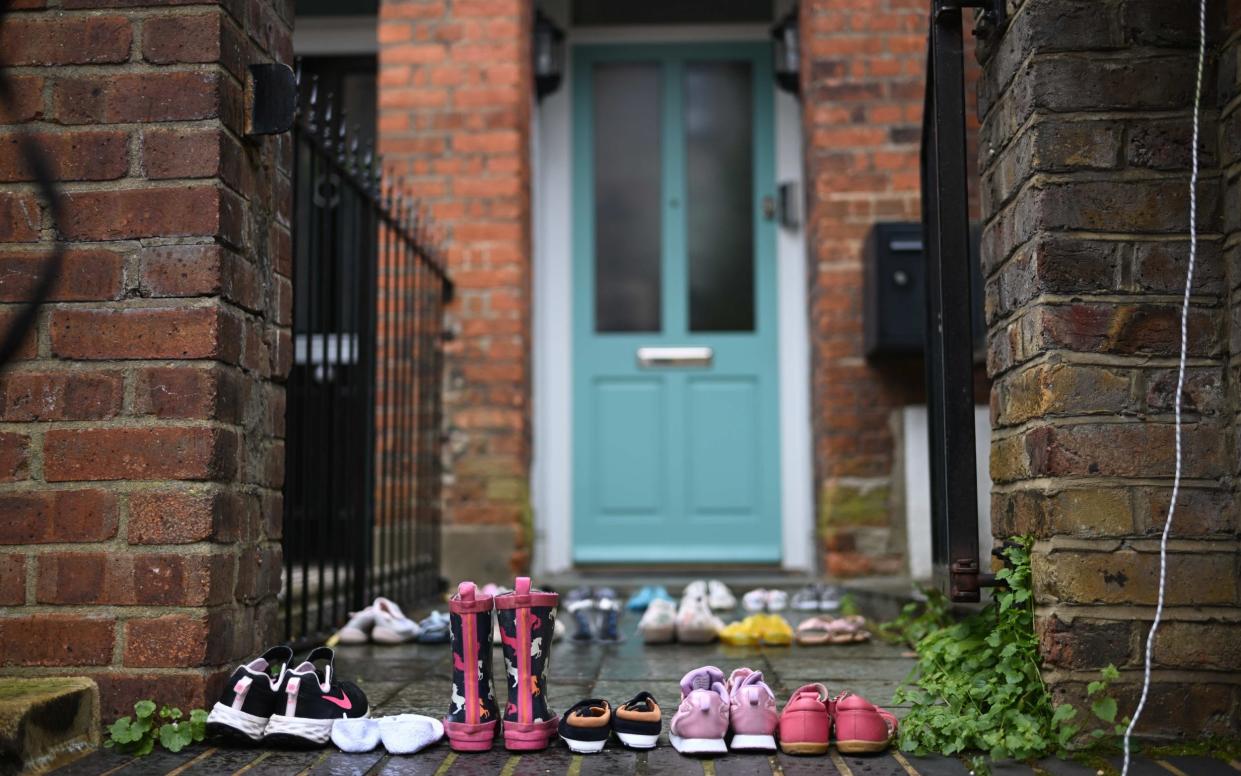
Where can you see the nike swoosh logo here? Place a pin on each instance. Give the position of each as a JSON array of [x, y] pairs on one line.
[[343, 701]]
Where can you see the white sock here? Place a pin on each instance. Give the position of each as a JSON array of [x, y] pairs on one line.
[[409, 733], [359, 734]]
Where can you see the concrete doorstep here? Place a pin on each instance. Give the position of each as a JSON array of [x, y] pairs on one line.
[[46, 722]]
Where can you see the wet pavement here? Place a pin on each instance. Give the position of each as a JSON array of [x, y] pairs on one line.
[[415, 678]]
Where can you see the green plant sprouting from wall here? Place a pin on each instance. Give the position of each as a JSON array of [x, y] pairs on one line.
[[137, 735], [977, 685]]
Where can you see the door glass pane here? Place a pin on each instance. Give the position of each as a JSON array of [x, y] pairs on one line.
[[627, 197], [719, 189]]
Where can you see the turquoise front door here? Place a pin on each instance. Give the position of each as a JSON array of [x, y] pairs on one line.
[[676, 450]]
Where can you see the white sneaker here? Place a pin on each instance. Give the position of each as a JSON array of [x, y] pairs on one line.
[[391, 624], [358, 629], [777, 600], [756, 600], [695, 622], [719, 597], [659, 621]]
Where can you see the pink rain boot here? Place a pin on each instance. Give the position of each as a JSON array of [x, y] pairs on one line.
[[527, 622], [472, 717]]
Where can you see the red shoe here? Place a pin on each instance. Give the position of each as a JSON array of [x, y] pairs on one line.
[[861, 726], [806, 721]]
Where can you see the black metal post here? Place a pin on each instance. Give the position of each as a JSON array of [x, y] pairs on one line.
[[949, 352]]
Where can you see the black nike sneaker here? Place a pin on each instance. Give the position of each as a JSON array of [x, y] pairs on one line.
[[251, 696], [311, 700]]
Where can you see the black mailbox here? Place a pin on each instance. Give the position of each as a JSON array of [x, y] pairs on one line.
[[895, 291]]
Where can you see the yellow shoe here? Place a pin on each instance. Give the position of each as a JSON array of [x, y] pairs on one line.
[[741, 633], [774, 630]]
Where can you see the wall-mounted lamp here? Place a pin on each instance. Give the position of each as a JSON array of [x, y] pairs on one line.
[[548, 55], [788, 53]]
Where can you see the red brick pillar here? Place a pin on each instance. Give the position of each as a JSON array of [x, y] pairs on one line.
[[140, 432], [455, 97], [1087, 137]]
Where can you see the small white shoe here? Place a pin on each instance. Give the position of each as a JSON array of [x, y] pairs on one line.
[[358, 629], [777, 600], [756, 600], [391, 624], [719, 597]]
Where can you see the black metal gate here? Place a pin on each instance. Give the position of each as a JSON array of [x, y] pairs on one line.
[[362, 461]]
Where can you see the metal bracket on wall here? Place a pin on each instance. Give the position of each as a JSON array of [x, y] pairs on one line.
[[990, 17], [270, 99]]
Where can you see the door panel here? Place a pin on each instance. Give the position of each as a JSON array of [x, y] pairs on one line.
[[628, 469], [723, 442], [674, 461]]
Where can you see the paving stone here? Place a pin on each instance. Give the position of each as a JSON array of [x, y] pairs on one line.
[[744, 765], [833, 672], [1010, 768], [1068, 768], [665, 761], [425, 763], [346, 764], [935, 765], [480, 763], [1140, 766], [795, 765], [1200, 766], [872, 765], [554, 761], [225, 760], [161, 761], [285, 761], [94, 764], [611, 761]]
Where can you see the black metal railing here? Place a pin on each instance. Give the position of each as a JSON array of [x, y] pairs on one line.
[[362, 463], [949, 351]]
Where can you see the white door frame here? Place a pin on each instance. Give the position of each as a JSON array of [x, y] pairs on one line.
[[552, 197]]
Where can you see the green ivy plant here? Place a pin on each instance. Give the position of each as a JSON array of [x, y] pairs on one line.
[[138, 734], [977, 685]]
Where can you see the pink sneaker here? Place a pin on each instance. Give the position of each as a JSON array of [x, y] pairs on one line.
[[861, 726], [806, 721], [751, 711], [701, 722]]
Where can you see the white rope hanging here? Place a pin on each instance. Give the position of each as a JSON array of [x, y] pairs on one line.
[[1180, 379]]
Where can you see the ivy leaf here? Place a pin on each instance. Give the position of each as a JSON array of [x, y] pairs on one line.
[[1105, 709], [144, 748], [144, 709], [120, 731], [1110, 673], [174, 736], [198, 724], [1064, 712]]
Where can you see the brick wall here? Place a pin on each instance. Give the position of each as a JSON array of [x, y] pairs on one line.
[[140, 430], [863, 75], [454, 117], [1085, 138]]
